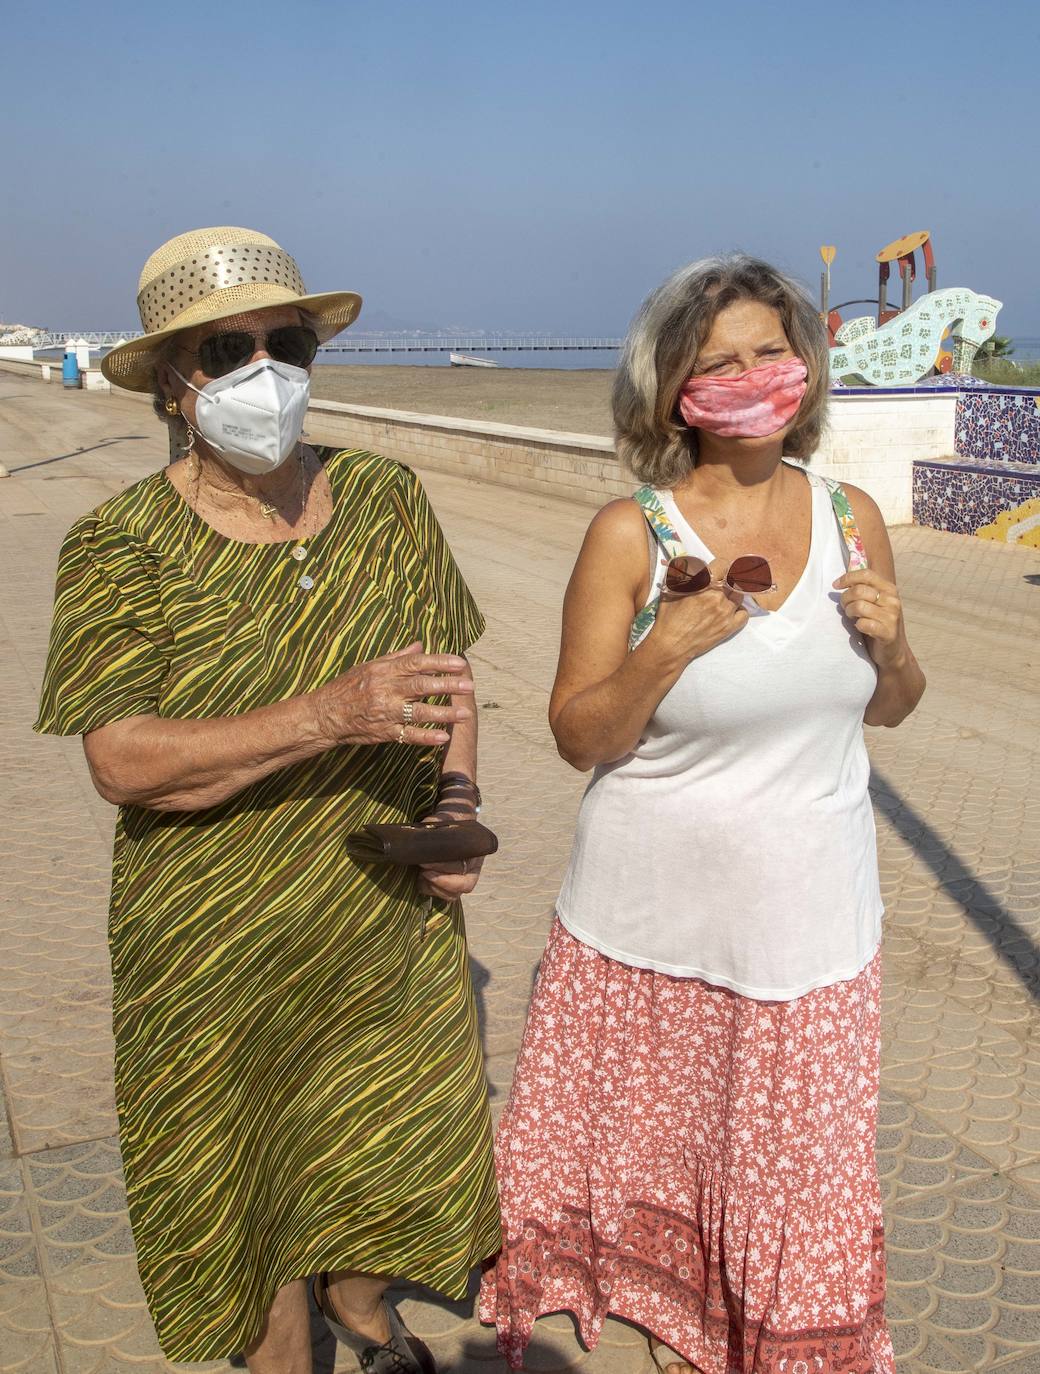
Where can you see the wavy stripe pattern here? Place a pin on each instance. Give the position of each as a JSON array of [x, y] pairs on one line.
[[298, 1069]]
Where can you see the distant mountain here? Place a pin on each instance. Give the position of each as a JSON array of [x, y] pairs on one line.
[[380, 322]]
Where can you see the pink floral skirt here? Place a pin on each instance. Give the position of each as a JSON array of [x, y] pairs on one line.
[[696, 1162]]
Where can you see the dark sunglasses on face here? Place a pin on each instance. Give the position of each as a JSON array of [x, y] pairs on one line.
[[750, 574], [220, 354]]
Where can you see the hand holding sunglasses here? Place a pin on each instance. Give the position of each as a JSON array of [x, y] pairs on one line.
[[749, 575], [687, 625]]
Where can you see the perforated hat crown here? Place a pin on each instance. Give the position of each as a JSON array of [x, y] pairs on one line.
[[209, 274]]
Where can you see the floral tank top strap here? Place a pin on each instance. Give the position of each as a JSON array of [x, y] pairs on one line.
[[668, 541], [855, 553]]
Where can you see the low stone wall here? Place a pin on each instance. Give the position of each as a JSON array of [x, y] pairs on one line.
[[872, 440], [580, 467], [27, 368]]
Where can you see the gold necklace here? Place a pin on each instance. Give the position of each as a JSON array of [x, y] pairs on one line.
[[298, 552]]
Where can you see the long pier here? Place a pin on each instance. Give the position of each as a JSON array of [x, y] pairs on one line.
[[357, 342]]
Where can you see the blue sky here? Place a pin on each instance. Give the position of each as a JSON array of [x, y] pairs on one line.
[[516, 165]]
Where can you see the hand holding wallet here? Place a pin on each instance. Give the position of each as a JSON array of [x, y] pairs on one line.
[[433, 843]]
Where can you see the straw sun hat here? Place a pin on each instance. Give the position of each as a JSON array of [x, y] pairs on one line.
[[207, 275]]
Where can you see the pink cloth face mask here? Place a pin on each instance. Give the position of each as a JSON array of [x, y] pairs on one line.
[[750, 406]]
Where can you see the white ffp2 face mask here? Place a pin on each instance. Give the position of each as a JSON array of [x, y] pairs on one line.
[[253, 416]]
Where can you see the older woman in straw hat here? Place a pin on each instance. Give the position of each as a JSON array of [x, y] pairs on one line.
[[248, 643]]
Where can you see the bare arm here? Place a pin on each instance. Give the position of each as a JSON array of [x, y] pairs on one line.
[[604, 695], [189, 765], [872, 602]]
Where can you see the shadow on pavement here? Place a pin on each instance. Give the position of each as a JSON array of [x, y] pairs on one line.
[[481, 977], [1002, 929], [60, 458]]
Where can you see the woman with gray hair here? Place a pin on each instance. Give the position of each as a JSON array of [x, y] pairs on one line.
[[689, 1142]]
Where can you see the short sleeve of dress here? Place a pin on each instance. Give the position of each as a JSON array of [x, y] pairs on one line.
[[105, 660], [449, 617]]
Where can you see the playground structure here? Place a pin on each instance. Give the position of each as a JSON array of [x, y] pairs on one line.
[[942, 331]]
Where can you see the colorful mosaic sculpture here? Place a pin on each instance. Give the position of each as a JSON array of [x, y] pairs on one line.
[[904, 349]]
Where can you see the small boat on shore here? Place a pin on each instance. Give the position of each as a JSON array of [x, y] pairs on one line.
[[469, 360]]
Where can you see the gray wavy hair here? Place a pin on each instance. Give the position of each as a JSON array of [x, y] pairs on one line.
[[661, 351]]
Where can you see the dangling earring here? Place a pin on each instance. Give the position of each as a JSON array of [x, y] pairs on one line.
[[170, 406], [189, 438]]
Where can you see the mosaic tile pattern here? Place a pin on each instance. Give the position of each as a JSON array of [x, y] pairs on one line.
[[999, 426], [962, 498], [905, 348], [955, 381]]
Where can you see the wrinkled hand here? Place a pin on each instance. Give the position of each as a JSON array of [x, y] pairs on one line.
[[450, 881], [366, 704], [873, 605]]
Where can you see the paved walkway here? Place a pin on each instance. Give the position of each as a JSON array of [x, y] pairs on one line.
[[958, 824]]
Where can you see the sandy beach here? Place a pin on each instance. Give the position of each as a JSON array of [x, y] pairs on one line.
[[548, 399]]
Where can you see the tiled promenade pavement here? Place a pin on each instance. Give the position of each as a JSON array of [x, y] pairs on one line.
[[959, 821]]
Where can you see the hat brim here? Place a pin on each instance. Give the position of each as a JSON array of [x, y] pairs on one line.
[[132, 365]]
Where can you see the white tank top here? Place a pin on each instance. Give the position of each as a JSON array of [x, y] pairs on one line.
[[736, 842]]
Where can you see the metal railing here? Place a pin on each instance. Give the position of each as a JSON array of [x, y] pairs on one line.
[[469, 343], [357, 342]]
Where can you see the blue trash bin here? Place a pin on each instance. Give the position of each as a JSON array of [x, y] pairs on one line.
[[70, 367]]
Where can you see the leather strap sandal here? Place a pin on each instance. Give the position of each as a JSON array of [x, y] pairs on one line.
[[403, 1353]]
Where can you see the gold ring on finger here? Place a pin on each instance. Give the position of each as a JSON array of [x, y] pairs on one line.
[[877, 598], [400, 734]]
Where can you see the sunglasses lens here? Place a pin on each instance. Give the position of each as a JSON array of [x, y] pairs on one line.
[[294, 344], [222, 353], [750, 575], [686, 575]]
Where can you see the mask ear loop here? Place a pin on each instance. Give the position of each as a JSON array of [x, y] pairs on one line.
[[187, 383]]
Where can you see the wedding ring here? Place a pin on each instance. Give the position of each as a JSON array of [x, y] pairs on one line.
[[400, 734], [409, 712], [877, 598]]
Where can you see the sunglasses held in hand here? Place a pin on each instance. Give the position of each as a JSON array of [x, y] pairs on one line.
[[220, 354], [749, 574]]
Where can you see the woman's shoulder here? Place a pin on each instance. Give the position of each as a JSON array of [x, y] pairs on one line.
[[363, 474], [131, 516], [361, 465], [618, 524], [864, 505]]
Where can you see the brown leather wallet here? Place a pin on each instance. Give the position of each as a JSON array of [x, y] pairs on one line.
[[445, 842]]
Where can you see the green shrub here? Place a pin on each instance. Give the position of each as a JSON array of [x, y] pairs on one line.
[[1004, 372]]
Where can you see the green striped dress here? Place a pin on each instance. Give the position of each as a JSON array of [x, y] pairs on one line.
[[298, 1070]]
